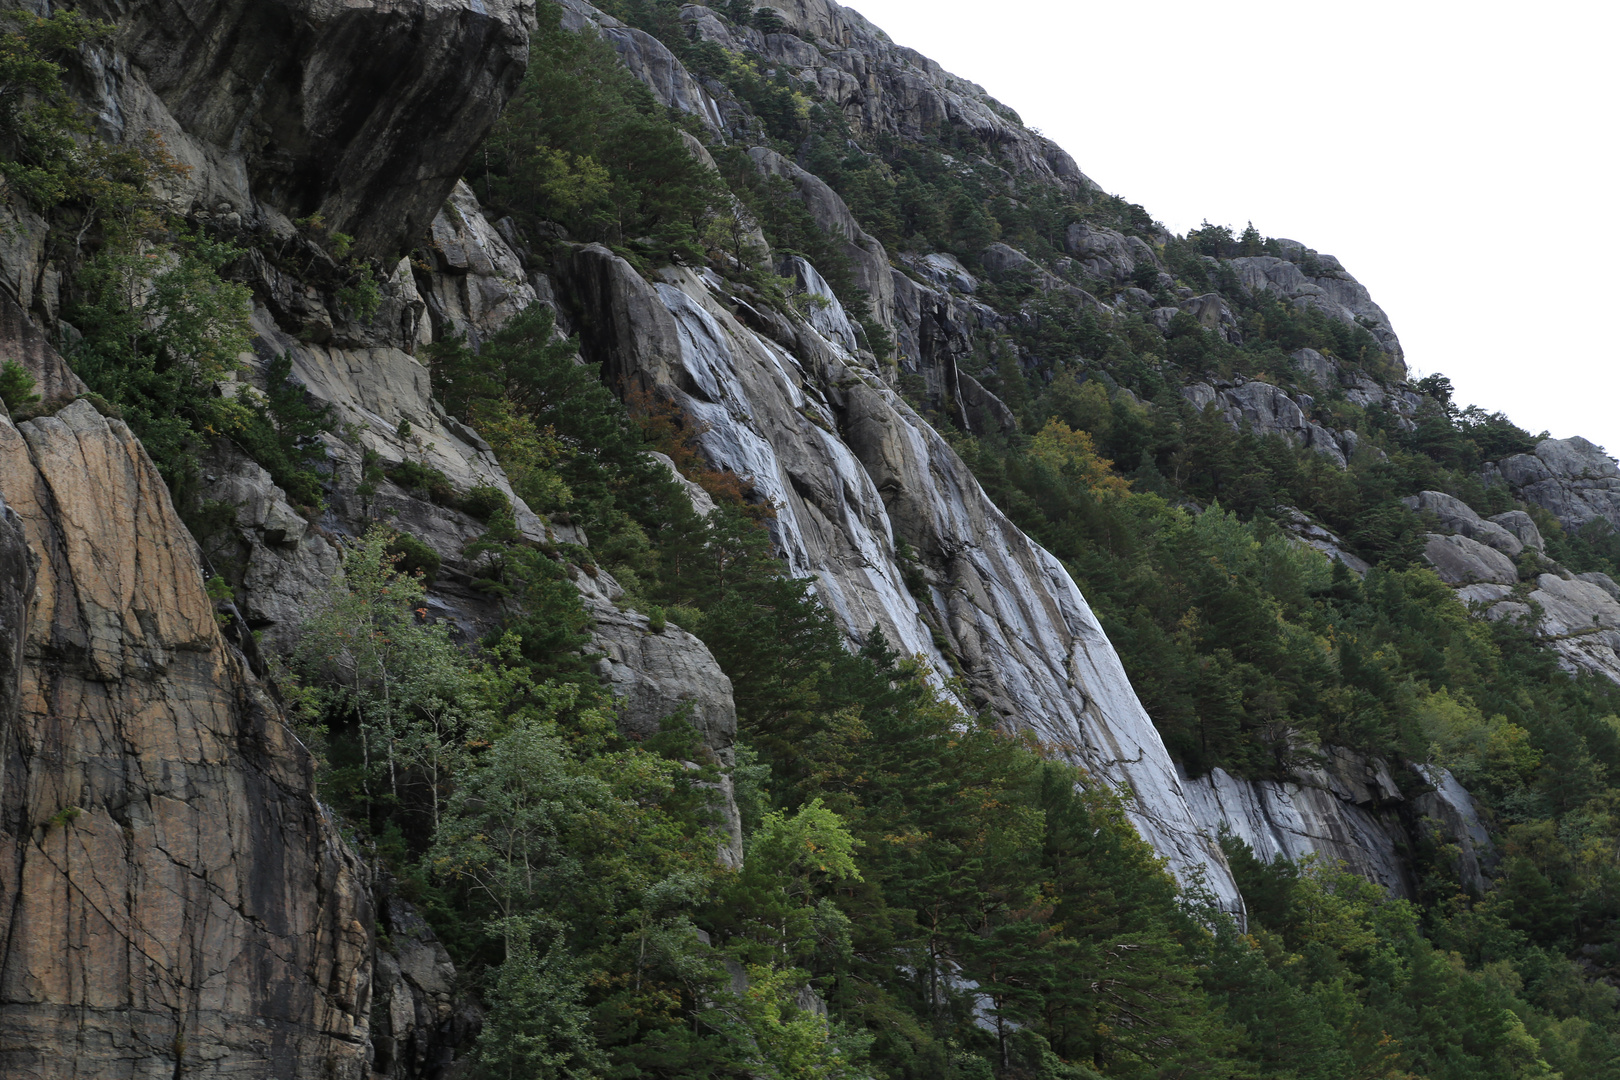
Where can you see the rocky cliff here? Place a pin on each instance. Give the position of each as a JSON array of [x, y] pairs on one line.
[[174, 896]]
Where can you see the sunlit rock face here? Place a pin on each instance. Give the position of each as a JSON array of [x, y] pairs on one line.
[[170, 890]]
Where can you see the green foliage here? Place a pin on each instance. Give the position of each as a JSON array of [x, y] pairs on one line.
[[161, 328], [583, 143], [283, 433], [39, 155], [414, 558], [410, 691], [16, 385]]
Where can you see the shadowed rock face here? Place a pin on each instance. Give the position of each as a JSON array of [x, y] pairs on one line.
[[364, 111], [172, 898]]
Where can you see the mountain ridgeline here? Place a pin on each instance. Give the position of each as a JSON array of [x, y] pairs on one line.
[[663, 540]]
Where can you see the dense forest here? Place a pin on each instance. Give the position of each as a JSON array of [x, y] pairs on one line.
[[924, 894]]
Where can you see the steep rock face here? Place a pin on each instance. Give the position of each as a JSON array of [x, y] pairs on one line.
[[361, 110], [851, 470], [172, 898], [1340, 811], [882, 88], [871, 262], [649, 60], [1348, 810]]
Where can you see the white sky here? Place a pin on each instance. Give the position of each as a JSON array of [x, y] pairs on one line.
[[1458, 158]]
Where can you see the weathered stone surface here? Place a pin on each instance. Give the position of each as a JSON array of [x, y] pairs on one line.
[[481, 282], [1573, 478], [1522, 526], [1318, 281], [1602, 581], [418, 1013], [836, 56], [1314, 535], [649, 60], [1340, 812], [266, 92], [1105, 253], [1269, 410], [172, 898], [1460, 518], [1455, 817], [850, 469], [825, 312], [1320, 368], [1461, 561]]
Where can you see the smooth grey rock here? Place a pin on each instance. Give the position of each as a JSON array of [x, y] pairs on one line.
[[1320, 368], [825, 313], [1572, 477], [1456, 818], [1162, 317], [1314, 813], [1602, 581], [1012, 625], [998, 258], [1574, 607], [1212, 314], [481, 282], [1460, 518], [650, 61], [1523, 526], [1461, 561]]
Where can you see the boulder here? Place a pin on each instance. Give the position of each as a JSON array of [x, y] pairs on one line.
[[998, 258], [1461, 561], [1522, 526], [1460, 518], [1573, 478]]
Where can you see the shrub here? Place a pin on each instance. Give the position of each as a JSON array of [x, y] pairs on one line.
[[16, 385], [413, 557]]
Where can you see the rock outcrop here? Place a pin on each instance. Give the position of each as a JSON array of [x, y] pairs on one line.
[[171, 894], [1461, 561], [363, 112], [1576, 617], [1312, 280], [1573, 478], [1269, 410], [1340, 811], [1457, 517]]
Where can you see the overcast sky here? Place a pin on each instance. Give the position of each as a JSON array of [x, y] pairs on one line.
[[1458, 158]]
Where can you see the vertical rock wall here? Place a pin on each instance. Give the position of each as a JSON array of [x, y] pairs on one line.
[[172, 898]]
